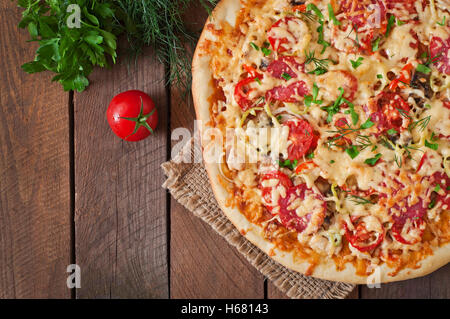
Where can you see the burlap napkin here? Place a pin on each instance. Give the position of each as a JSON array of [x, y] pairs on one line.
[[189, 185]]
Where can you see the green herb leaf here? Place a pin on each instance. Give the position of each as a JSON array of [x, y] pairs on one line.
[[286, 76], [332, 16], [443, 21], [266, 51], [389, 26], [352, 151], [313, 7], [254, 46], [288, 164], [392, 131], [437, 188], [310, 155], [375, 44], [400, 23], [357, 63], [423, 68], [432, 204], [432, 146], [379, 76], [372, 161], [257, 80], [332, 161], [367, 124]]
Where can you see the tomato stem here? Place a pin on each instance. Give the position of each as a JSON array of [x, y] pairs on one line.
[[140, 120]]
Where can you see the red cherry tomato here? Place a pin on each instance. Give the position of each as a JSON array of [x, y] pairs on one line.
[[302, 138], [132, 115], [244, 87], [408, 220], [361, 237]]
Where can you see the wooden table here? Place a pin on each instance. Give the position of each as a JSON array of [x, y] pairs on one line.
[[73, 193]]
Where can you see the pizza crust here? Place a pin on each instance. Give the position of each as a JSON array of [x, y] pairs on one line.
[[227, 10]]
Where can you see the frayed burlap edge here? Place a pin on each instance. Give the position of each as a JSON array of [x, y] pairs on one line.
[[189, 185]]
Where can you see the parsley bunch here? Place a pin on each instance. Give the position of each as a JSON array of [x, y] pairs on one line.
[[70, 52], [73, 51]]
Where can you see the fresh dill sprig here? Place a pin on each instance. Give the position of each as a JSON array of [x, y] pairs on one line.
[[422, 123], [159, 24], [361, 200], [321, 65]]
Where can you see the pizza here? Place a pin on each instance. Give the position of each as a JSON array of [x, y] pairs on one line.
[[326, 129]]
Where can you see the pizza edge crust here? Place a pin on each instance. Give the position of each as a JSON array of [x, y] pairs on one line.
[[201, 90]]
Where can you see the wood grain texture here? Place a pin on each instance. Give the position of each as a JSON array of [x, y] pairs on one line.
[[202, 263], [34, 172], [120, 206], [435, 285]]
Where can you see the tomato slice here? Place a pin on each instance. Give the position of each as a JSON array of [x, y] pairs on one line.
[[439, 52], [284, 65], [297, 219], [367, 233], [389, 111], [292, 93], [408, 224], [267, 191], [283, 34], [242, 92], [301, 136]]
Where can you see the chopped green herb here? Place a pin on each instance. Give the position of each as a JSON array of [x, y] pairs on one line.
[[375, 44], [288, 164], [392, 131], [352, 151], [332, 16], [313, 7], [443, 21], [399, 22], [310, 155], [266, 51], [390, 24], [360, 200], [286, 76], [428, 106], [332, 161], [257, 80], [357, 63], [367, 124], [334, 109], [372, 161], [433, 146], [437, 188], [379, 76], [254, 46], [351, 111], [279, 117], [432, 204], [308, 100], [374, 148], [423, 68], [320, 64]]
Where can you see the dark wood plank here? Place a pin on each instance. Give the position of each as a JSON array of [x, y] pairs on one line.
[[274, 293], [435, 285], [121, 226], [202, 263], [34, 172]]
